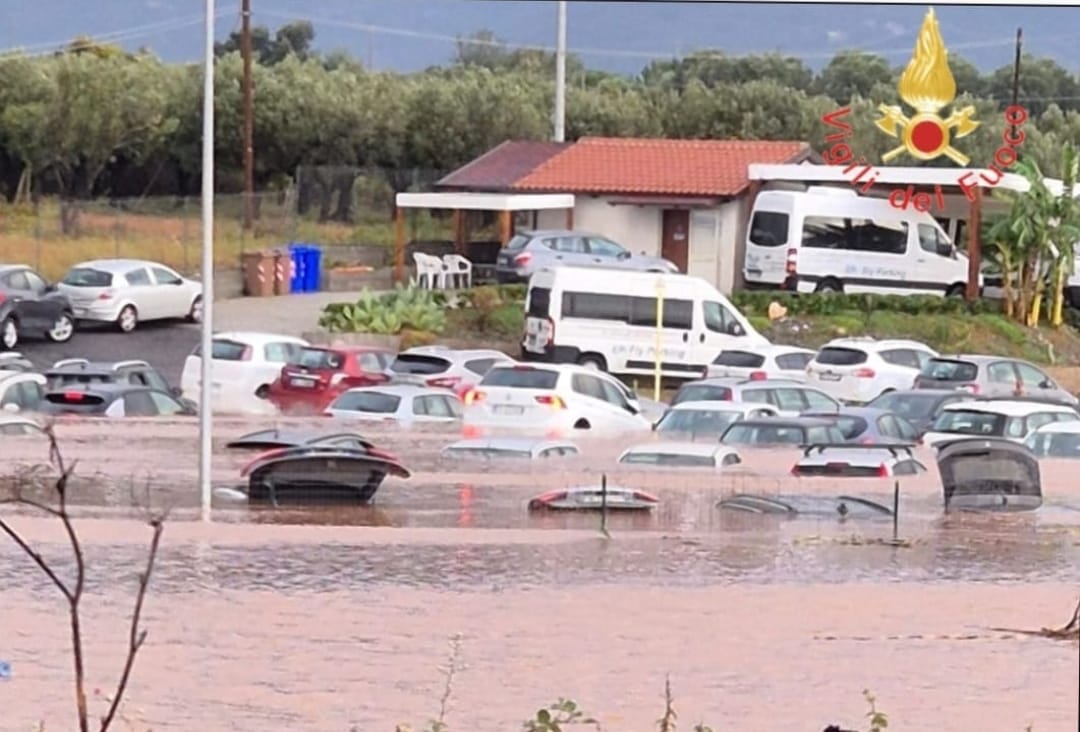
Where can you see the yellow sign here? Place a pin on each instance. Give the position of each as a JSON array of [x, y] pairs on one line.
[[927, 85]]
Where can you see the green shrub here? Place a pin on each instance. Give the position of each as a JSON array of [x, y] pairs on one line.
[[405, 308], [753, 302]]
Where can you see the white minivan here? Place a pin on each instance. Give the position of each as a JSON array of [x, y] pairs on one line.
[[834, 240], [606, 319]]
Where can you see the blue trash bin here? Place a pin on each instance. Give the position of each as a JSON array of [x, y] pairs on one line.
[[296, 254], [312, 268]]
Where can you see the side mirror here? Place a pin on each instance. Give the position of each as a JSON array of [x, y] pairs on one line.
[[176, 391], [1047, 384], [946, 250], [737, 330]]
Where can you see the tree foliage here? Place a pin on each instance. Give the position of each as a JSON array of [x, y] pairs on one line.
[[95, 120]]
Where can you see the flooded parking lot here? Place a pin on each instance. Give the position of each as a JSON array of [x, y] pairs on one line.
[[325, 618]]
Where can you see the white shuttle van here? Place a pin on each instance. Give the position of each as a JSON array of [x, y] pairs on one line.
[[607, 319], [834, 240]]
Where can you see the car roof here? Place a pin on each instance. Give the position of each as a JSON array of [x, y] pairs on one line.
[[6, 374], [400, 390], [869, 455], [766, 349], [558, 232], [1009, 407], [508, 443], [978, 359], [561, 368], [864, 412], [929, 392], [84, 366], [875, 344], [346, 348], [451, 353], [1070, 427], [105, 389], [680, 448], [787, 422], [258, 337], [10, 267], [117, 266], [714, 406]]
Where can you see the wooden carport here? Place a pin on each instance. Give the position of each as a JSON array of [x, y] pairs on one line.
[[504, 203], [937, 183]]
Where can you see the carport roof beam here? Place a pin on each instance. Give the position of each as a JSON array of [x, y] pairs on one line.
[[486, 201]]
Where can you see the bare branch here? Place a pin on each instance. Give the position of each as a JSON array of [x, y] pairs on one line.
[[136, 637], [38, 560]]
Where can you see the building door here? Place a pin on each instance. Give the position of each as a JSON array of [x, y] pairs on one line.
[[675, 238]]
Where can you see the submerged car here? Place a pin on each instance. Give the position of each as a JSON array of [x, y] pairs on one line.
[[277, 438], [842, 507], [509, 447], [996, 377], [681, 455], [320, 472], [782, 432], [1056, 440], [869, 425], [989, 475], [114, 400], [1010, 419], [708, 419], [920, 407], [857, 461], [594, 498]]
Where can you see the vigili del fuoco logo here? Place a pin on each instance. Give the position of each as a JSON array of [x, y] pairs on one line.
[[927, 86]]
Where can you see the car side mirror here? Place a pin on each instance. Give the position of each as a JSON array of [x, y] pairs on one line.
[[176, 391], [625, 255], [1047, 384], [737, 330]]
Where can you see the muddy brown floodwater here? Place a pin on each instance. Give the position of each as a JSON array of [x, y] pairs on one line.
[[322, 619]]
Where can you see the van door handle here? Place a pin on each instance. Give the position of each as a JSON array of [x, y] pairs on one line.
[[685, 337], [701, 338]]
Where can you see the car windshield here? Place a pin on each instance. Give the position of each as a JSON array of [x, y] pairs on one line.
[[702, 393], [850, 427], [416, 363], [668, 458], [965, 422], [836, 356], [739, 359], [87, 277], [1055, 444], [487, 452], [518, 242], [912, 407], [945, 370], [367, 401], [697, 421], [761, 434], [320, 358], [521, 378], [224, 350], [988, 469]]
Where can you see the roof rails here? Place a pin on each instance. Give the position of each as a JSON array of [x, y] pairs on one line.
[[893, 448], [130, 362], [64, 363]]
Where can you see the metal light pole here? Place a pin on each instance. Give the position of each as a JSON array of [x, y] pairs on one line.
[[206, 362], [249, 117], [560, 74]]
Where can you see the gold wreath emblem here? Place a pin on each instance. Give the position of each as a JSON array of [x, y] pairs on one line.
[[928, 86]]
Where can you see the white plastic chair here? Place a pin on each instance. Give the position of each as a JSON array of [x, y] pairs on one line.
[[425, 274], [458, 269]]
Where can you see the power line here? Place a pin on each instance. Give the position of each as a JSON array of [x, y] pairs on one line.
[[621, 53]]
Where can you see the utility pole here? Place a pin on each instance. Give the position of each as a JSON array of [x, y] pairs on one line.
[[560, 74], [1016, 75], [249, 118]]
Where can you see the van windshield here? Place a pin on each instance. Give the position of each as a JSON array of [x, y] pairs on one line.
[[539, 302]]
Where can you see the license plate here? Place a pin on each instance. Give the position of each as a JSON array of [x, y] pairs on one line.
[[598, 499], [829, 377], [508, 409], [303, 383]]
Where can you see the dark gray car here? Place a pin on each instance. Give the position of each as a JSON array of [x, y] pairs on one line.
[[30, 305], [920, 407], [998, 377], [530, 251]]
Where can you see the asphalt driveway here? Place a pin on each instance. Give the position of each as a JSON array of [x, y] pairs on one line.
[[165, 345]]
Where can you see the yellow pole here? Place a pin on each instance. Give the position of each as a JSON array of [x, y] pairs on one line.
[[658, 356]]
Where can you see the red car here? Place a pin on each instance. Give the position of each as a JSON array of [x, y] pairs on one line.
[[319, 375]]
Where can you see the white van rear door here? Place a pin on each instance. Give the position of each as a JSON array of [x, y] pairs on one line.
[[767, 246]]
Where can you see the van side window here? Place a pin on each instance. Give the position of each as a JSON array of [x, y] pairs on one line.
[[720, 320], [931, 240], [678, 314], [769, 229], [860, 235], [596, 307]]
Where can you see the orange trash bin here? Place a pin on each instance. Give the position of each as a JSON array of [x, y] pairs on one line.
[[258, 270], [282, 272]]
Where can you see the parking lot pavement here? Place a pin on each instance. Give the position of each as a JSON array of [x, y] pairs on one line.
[[165, 345]]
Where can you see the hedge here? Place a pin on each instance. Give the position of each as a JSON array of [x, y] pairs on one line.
[[752, 302]]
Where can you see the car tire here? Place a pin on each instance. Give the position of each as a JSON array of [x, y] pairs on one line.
[[9, 334], [195, 314], [62, 330], [593, 361], [829, 285], [128, 319], [956, 290]]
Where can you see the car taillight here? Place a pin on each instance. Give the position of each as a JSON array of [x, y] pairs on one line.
[[522, 259], [552, 400], [795, 469], [972, 388], [883, 471], [472, 396], [866, 441], [73, 396], [758, 376], [382, 454], [2, 298], [551, 496], [643, 496], [863, 373], [789, 266], [444, 382], [107, 295]]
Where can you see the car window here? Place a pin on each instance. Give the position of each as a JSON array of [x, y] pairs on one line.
[[434, 406], [605, 248], [761, 396], [901, 357], [37, 282], [137, 378], [418, 363], [139, 404], [819, 402], [830, 435], [969, 422], [943, 369], [1001, 372], [614, 396], [86, 277], [695, 421], [521, 378], [518, 242], [719, 319], [17, 280], [152, 379], [138, 277], [453, 406], [1031, 376], [320, 358], [370, 362], [793, 361], [367, 401], [905, 467], [769, 229], [280, 352], [850, 426], [1035, 421], [790, 399], [929, 238], [480, 366], [589, 386], [839, 356], [165, 404], [569, 244], [166, 277], [702, 393], [739, 359]]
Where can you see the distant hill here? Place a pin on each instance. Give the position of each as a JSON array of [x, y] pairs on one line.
[[629, 33]]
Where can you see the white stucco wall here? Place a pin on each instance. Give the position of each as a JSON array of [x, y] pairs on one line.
[[715, 253]]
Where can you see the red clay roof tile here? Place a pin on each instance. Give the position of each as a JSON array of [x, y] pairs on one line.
[[503, 165]]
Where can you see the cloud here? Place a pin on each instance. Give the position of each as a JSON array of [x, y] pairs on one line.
[[894, 29], [835, 36]]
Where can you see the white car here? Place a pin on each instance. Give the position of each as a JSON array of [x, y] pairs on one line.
[[857, 370], [21, 391], [244, 366], [12, 426], [681, 455], [405, 404], [1008, 419], [449, 368], [853, 461], [1056, 440], [761, 362], [127, 291], [556, 400], [709, 418]]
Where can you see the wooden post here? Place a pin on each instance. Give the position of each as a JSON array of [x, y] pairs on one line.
[[974, 247], [459, 231], [399, 244], [504, 227], [570, 219]]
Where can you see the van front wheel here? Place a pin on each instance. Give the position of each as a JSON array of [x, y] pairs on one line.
[[956, 290], [829, 285], [593, 361]]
